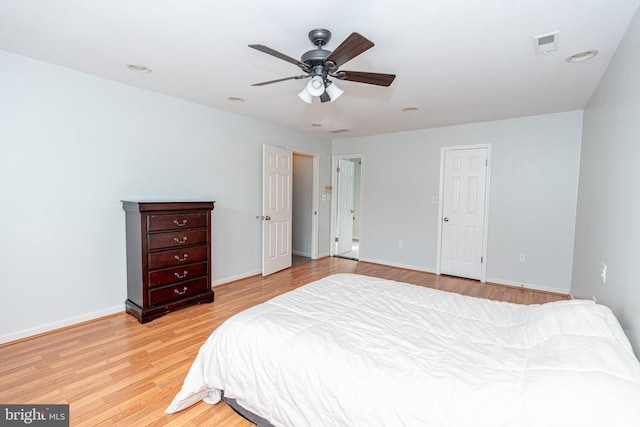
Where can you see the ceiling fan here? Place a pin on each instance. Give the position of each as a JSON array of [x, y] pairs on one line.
[[320, 64]]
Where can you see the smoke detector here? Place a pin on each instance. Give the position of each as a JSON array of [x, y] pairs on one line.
[[545, 43]]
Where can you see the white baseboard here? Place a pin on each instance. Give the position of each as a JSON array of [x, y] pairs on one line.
[[49, 327], [26, 333], [399, 265], [532, 286], [234, 278], [300, 253]]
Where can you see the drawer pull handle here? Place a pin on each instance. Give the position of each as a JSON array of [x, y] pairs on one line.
[[180, 292], [180, 224], [184, 274], [182, 259], [178, 241]]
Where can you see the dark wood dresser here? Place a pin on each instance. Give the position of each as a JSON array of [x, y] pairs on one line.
[[168, 256]]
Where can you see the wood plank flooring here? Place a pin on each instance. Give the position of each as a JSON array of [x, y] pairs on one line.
[[115, 371]]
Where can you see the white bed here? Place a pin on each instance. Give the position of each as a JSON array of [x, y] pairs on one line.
[[351, 350]]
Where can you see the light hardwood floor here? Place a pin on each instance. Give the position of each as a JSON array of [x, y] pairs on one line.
[[115, 371]]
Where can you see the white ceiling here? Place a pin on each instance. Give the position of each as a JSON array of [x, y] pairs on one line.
[[456, 61]]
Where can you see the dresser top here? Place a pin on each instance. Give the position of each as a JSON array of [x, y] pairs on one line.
[[167, 205]]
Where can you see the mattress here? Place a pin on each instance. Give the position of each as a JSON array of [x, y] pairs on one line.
[[352, 350]]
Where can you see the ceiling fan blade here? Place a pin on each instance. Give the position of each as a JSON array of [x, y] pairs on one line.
[[353, 46], [369, 78], [325, 97], [281, 80], [277, 54]]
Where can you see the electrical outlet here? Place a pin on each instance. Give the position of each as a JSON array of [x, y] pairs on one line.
[[523, 257], [434, 200], [400, 244]]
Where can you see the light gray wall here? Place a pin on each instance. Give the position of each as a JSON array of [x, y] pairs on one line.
[[302, 204], [74, 145], [534, 181], [607, 227]]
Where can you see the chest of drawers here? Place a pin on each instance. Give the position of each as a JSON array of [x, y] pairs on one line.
[[168, 256]]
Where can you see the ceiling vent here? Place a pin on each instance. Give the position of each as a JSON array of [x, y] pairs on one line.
[[545, 43]]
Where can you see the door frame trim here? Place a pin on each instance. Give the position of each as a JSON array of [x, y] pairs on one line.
[[485, 236], [334, 201]]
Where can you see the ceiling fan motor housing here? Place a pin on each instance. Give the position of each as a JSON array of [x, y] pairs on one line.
[[319, 37], [315, 56]]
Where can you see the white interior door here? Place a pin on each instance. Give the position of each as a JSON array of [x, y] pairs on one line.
[[277, 170], [346, 170], [463, 212]]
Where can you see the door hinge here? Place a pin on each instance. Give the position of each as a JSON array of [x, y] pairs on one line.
[[481, 259], [486, 163], [338, 169], [336, 240]]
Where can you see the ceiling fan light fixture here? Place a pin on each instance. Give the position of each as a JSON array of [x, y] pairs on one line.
[[305, 95], [316, 86], [333, 91]]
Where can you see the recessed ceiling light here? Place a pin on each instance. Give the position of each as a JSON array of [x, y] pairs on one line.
[[139, 68], [236, 99], [315, 125], [410, 110], [582, 56]]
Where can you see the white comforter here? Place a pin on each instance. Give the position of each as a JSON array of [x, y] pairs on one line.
[[351, 350]]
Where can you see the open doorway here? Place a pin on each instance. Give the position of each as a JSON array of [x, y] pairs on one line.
[[304, 218], [347, 214]]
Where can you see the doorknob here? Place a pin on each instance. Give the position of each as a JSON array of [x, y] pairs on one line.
[[445, 219], [263, 217]]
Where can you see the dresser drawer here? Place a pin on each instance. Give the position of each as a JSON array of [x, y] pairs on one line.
[[176, 221], [177, 257], [178, 291], [177, 238], [177, 274]]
